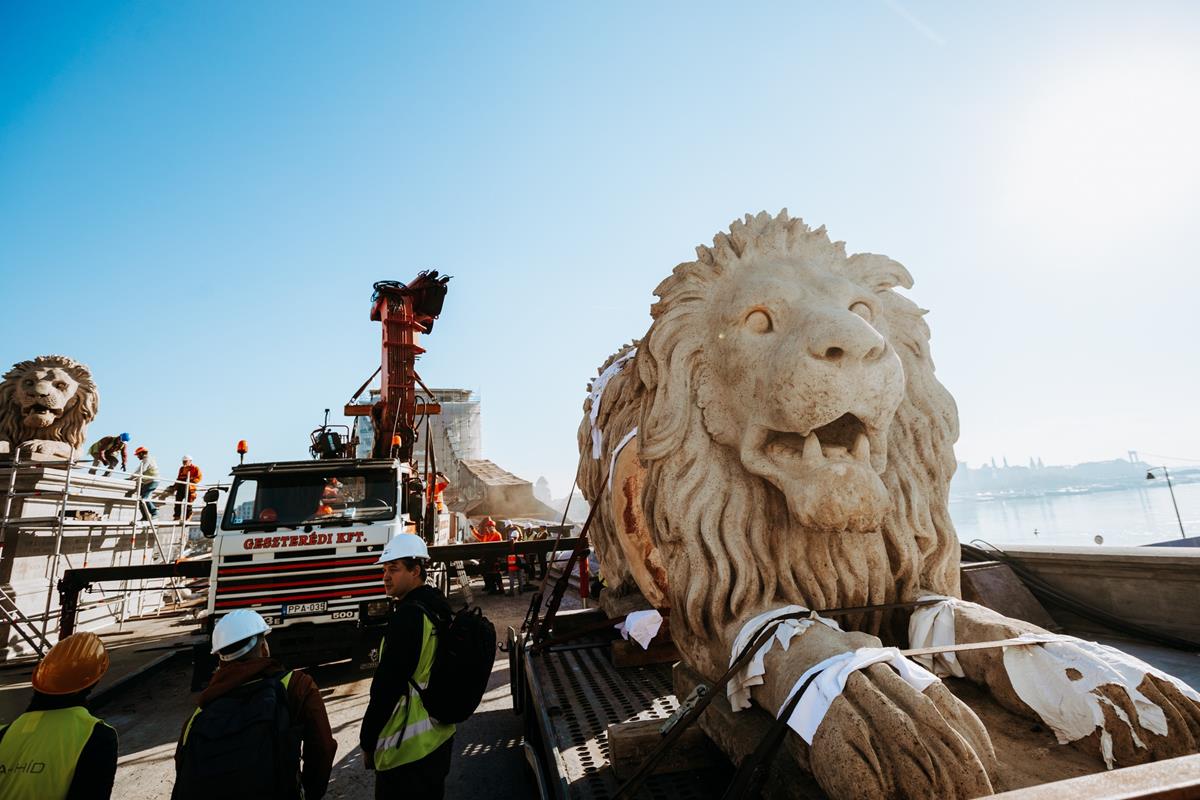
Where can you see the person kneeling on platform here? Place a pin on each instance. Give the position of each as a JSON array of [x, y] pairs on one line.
[[408, 749], [254, 725], [57, 750]]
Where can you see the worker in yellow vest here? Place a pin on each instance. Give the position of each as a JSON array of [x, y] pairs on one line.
[[56, 750], [408, 749]]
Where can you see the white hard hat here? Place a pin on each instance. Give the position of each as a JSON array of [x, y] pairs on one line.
[[187, 458], [236, 626], [403, 545]]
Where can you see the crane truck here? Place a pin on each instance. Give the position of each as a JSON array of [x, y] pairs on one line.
[[298, 540]]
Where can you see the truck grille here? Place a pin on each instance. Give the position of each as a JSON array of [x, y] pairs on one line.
[[342, 582]]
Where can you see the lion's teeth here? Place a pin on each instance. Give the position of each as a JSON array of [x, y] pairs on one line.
[[812, 450], [862, 449]]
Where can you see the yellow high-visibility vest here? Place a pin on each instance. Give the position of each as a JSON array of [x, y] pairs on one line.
[[40, 751], [411, 734]]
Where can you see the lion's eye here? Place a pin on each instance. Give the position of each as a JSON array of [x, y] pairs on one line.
[[863, 310], [60, 385], [759, 321]]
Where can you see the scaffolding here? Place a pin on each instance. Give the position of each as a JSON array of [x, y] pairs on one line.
[[61, 501]]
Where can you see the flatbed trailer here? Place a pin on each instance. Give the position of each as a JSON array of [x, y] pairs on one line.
[[568, 695]]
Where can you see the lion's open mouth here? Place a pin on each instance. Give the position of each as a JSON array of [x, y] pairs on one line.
[[42, 414], [830, 474], [846, 438]]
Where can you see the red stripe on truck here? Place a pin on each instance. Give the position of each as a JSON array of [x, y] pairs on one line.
[[233, 588], [297, 565]]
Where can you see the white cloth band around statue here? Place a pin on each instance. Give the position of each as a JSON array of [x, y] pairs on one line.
[[738, 689], [831, 676], [933, 626], [597, 393], [612, 461]]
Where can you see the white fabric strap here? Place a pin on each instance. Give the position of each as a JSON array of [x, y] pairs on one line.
[[612, 462], [641, 626], [831, 676], [598, 392], [738, 688], [933, 626]]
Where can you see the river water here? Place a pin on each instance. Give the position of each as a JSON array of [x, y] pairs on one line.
[[1129, 517]]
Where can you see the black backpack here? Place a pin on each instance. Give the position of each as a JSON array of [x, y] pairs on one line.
[[242, 744], [462, 664]]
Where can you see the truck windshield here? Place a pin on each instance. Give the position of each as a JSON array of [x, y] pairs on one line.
[[290, 499]]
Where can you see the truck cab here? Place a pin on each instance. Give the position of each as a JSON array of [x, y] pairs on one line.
[[298, 542]]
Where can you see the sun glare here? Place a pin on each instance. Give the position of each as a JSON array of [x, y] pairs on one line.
[[1110, 139]]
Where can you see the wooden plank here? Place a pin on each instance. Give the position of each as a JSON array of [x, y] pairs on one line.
[[1174, 779], [462, 552], [629, 742], [630, 654]]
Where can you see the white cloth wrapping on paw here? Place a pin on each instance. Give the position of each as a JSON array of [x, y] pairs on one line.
[[933, 626], [612, 462], [598, 392], [1071, 707], [832, 674], [738, 689], [641, 626]]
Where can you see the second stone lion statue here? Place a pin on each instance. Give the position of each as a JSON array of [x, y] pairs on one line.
[[778, 438], [46, 404]]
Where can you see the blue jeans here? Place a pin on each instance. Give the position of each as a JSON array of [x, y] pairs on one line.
[[147, 488]]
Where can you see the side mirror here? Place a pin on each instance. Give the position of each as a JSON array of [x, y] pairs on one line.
[[208, 514], [208, 521], [414, 500]]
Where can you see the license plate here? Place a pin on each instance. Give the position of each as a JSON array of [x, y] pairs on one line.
[[292, 609]]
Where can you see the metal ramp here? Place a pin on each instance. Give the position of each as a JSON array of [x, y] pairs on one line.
[[578, 694]]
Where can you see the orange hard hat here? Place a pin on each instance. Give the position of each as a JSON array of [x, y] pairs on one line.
[[140, 450], [72, 665]]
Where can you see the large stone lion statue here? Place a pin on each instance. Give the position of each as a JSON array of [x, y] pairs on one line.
[[45, 406], [779, 437]]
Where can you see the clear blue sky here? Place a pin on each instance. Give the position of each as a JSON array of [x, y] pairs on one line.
[[195, 198]]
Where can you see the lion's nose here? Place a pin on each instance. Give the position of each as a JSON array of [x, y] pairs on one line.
[[838, 337], [43, 388]]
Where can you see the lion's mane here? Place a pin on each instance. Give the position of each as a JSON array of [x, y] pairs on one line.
[[71, 426], [727, 535]]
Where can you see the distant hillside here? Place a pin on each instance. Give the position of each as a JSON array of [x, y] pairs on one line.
[[1037, 479]]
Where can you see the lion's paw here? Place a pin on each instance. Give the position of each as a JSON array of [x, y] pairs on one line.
[[47, 450], [884, 739], [1105, 701], [1133, 733]]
